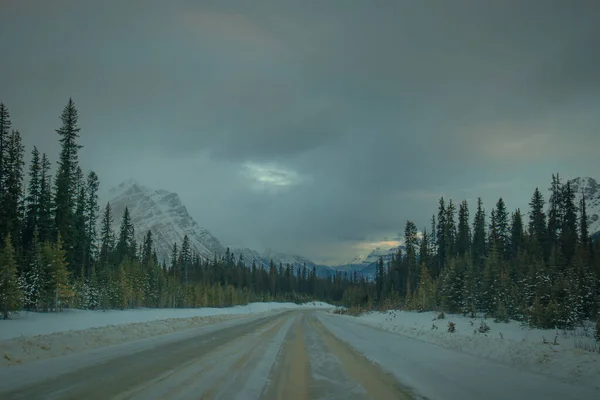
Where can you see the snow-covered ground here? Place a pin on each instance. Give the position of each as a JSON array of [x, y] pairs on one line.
[[510, 343], [32, 336]]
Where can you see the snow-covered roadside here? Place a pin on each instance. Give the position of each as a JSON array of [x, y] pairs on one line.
[[507, 343], [34, 336]]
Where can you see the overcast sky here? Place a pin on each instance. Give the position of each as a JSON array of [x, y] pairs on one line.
[[315, 127]]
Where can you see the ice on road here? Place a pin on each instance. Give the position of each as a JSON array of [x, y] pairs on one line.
[[297, 354]]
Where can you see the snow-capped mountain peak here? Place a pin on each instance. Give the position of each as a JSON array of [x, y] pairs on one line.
[[164, 214]]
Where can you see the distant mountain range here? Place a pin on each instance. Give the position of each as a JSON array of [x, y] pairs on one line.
[[163, 213]]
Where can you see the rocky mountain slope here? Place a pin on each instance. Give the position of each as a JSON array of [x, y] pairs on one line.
[[163, 213]]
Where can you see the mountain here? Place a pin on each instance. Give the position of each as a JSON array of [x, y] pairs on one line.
[[264, 260], [365, 265], [591, 189], [163, 213]]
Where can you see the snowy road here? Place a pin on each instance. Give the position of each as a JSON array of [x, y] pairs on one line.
[[290, 355]]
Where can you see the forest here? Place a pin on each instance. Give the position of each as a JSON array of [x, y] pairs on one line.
[[59, 251]]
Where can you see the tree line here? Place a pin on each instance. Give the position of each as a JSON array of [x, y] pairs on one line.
[[545, 272], [52, 255]]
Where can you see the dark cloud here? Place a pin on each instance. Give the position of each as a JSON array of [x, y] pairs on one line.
[[312, 126]]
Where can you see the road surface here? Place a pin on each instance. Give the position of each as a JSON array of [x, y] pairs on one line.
[[291, 355], [286, 356]]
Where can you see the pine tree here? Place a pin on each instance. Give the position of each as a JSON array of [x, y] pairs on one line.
[[442, 229], [584, 236], [107, 239], [147, 248], [66, 178], [12, 206], [184, 258], [450, 230], [78, 268], [463, 242], [125, 237], [568, 234], [45, 220], [91, 217], [5, 125], [538, 230], [517, 236], [33, 198], [479, 237], [59, 276], [411, 242], [10, 293], [502, 229], [555, 217]]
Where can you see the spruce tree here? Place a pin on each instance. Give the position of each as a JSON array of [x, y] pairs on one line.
[[411, 242], [442, 229], [538, 229], [584, 235], [91, 217], [45, 221], [479, 237], [184, 258], [450, 230], [463, 242], [12, 204], [555, 217], [10, 293], [66, 179], [517, 235], [568, 234], [107, 239], [32, 215], [5, 125], [147, 248], [125, 237]]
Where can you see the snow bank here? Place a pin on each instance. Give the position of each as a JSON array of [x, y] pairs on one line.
[[508, 343], [436, 372], [34, 336], [31, 323]]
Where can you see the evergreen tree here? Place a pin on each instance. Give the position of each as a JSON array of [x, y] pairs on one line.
[[10, 293], [502, 229], [450, 230], [78, 268], [442, 229], [479, 237], [538, 230], [91, 217], [517, 235], [185, 257], [568, 234], [148, 248], [59, 282], [107, 238], [66, 179], [463, 242], [33, 198], [126, 238], [12, 206], [555, 217], [45, 221], [584, 235], [5, 125], [411, 242]]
